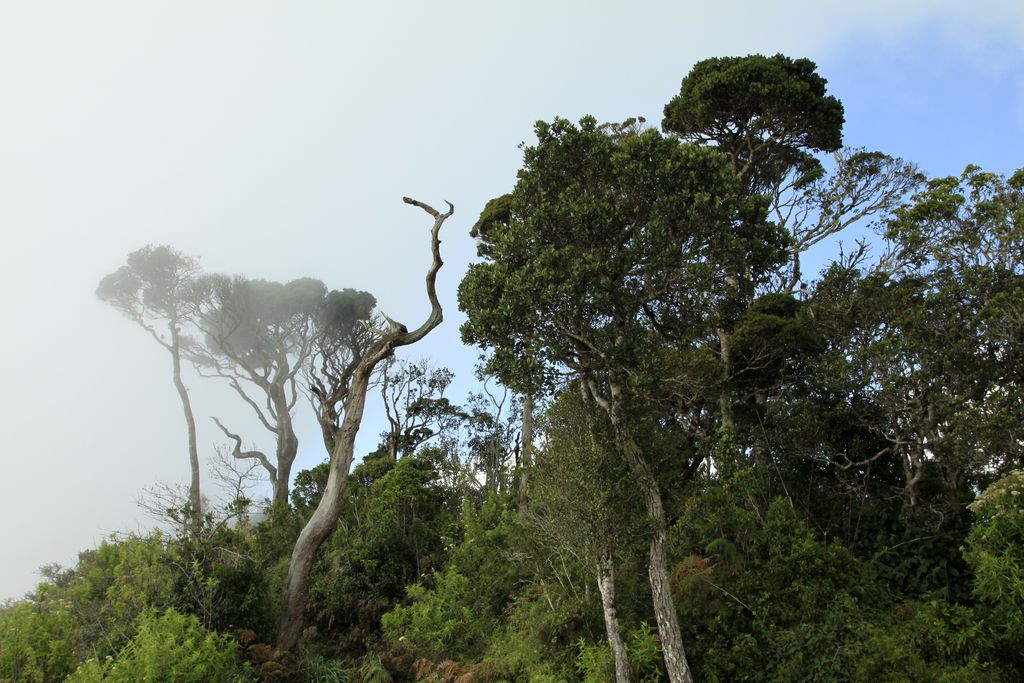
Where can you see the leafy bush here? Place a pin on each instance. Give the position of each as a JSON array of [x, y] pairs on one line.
[[995, 551], [37, 640], [169, 647]]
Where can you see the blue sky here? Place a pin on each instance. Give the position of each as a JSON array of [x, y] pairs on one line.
[[277, 141]]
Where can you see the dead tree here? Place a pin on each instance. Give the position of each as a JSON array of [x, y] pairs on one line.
[[341, 413]]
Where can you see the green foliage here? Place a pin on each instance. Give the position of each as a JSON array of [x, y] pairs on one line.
[[822, 532], [441, 622], [583, 489], [318, 669], [309, 487], [38, 639], [373, 671], [595, 663], [390, 536], [168, 647], [995, 552], [458, 615], [763, 112], [604, 238], [115, 583]]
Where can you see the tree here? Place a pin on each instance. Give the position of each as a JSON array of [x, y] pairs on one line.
[[414, 404], [613, 254], [157, 289], [763, 113], [583, 493], [492, 441], [814, 206], [257, 336], [767, 115], [341, 403]]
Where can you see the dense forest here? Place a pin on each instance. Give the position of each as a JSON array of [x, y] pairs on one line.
[[694, 453]]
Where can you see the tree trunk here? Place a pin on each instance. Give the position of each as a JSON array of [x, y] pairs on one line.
[[606, 584], [724, 399], [287, 448], [194, 499], [526, 452], [657, 570], [325, 517]]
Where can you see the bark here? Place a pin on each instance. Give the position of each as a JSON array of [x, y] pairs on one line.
[[657, 570], [239, 454], [725, 400], [195, 501], [526, 452], [606, 585], [325, 517], [287, 446]]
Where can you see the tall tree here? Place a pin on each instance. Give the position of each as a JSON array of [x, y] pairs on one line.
[[258, 336], [767, 115], [341, 401], [521, 366], [612, 256], [157, 290]]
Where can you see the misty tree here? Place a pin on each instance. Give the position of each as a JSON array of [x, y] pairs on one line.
[[350, 349], [258, 336], [157, 289]]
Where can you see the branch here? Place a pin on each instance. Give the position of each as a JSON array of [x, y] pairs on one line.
[[239, 454], [436, 313]]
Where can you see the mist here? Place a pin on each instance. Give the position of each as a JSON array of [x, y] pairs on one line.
[[278, 141]]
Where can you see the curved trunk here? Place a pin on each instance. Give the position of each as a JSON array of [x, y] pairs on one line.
[[606, 585], [342, 442], [325, 517], [194, 499], [287, 448]]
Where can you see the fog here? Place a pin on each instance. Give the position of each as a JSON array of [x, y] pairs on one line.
[[277, 140]]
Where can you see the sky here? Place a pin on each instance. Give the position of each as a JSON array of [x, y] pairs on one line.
[[276, 140]]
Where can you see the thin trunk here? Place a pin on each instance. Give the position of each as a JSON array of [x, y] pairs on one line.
[[526, 452], [725, 400], [287, 448], [194, 499], [606, 584], [657, 570]]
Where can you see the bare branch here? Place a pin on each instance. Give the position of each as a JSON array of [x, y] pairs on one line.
[[239, 454]]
